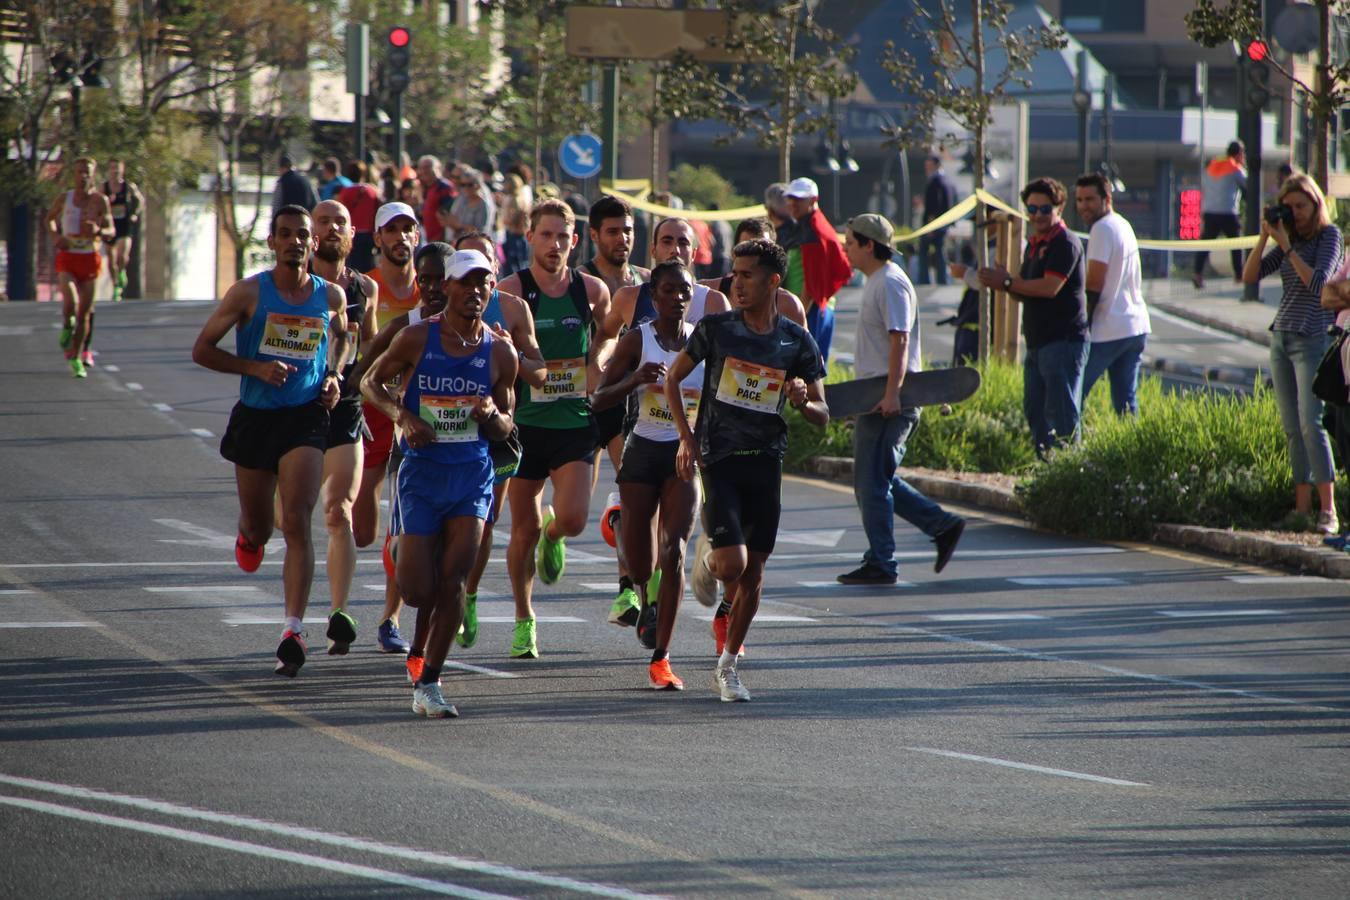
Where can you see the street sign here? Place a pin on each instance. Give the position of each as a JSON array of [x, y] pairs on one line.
[[579, 155], [615, 32]]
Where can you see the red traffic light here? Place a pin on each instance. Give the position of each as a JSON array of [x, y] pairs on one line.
[[399, 36], [1258, 50]]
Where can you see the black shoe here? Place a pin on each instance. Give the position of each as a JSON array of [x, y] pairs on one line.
[[646, 627], [867, 573], [946, 544]]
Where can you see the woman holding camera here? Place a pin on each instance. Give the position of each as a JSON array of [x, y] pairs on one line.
[[1309, 250]]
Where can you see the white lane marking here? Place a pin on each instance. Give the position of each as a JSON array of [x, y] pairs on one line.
[[203, 432], [983, 617], [51, 625], [1027, 767], [110, 368], [764, 618], [834, 585], [1216, 613], [599, 585], [1066, 581], [821, 537], [482, 594], [1188, 349], [1226, 359], [15, 330], [203, 588], [207, 537], [251, 849], [163, 407], [480, 670], [237, 619], [9, 593], [503, 620], [320, 837], [134, 386], [1278, 579]]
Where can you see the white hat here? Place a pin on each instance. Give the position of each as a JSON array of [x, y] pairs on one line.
[[465, 261], [391, 211], [802, 189]]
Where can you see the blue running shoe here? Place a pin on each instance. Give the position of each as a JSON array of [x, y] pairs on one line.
[[389, 640]]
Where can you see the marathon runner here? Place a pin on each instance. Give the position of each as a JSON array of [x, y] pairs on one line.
[[458, 397], [343, 453], [756, 360], [127, 202], [79, 219], [557, 433], [647, 478], [284, 320]]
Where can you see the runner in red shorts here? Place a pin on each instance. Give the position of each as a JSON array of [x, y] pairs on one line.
[[80, 219]]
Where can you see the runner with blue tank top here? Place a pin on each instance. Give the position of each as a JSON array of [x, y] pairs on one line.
[[458, 395], [287, 324], [648, 479]]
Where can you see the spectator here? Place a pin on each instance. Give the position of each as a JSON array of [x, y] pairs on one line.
[[1222, 184], [825, 268], [361, 200], [515, 220], [473, 210], [1336, 298], [331, 181], [938, 197], [410, 192], [775, 203], [292, 188], [1054, 317], [1307, 255], [434, 190], [389, 185], [1118, 322], [722, 244], [703, 252]]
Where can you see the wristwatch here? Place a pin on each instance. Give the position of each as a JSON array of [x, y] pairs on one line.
[[333, 373], [1007, 283]]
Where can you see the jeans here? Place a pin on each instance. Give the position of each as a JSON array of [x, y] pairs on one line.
[[878, 448], [930, 246], [820, 322], [1052, 390], [1120, 361], [1293, 363]]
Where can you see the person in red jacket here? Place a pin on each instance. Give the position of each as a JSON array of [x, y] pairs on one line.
[[825, 267]]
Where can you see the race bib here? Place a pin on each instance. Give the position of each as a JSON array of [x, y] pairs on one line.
[[80, 244], [655, 411], [292, 337], [119, 211], [449, 418], [566, 380], [750, 386]]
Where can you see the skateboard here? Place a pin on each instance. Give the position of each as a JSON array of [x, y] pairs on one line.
[[851, 398]]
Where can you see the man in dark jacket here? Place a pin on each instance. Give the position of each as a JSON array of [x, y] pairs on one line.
[[938, 197], [292, 189]]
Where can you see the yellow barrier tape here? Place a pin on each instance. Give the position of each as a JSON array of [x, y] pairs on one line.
[[628, 184], [959, 211], [706, 215]]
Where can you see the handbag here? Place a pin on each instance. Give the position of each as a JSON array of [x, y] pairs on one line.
[[1329, 384]]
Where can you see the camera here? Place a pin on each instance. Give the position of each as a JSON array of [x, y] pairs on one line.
[[1281, 212]]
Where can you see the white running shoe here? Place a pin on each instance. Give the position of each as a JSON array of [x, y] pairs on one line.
[[428, 701], [729, 684], [701, 580]]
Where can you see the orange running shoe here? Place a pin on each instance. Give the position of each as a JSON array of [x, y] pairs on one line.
[[720, 624], [246, 555], [414, 665], [662, 678]]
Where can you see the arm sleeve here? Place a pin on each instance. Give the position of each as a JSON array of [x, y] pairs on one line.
[[1271, 262], [1330, 245], [1062, 257], [1099, 244], [899, 306], [699, 345]]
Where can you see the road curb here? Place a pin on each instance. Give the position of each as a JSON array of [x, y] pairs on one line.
[[1257, 336], [1226, 542]]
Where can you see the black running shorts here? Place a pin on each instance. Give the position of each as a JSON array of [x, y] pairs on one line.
[[742, 501], [546, 449], [259, 438], [505, 456], [609, 425], [344, 422], [647, 462]]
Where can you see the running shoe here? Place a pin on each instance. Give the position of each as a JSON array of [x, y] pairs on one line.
[[729, 685], [468, 629], [625, 609], [290, 654], [414, 666], [526, 642], [122, 279], [117, 290], [646, 628], [701, 580], [246, 555], [609, 520], [720, 624], [552, 555], [389, 640], [341, 632], [654, 586], [87, 357], [77, 369], [66, 331], [428, 701], [662, 678]]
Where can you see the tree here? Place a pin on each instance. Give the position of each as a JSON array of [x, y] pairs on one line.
[[1210, 25], [955, 79]]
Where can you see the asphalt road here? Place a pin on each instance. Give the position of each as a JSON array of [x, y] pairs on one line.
[[1047, 718]]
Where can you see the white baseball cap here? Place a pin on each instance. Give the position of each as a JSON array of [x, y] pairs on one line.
[[465, 261], [802, 189], [391, 211]]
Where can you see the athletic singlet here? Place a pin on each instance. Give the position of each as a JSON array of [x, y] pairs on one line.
[[389, 307], [654, 421], [72, 217], [644, 308], [492, 313], [296, 334], [442, 391], [356, 314], [117, 200], [564, 336], [636, 276]]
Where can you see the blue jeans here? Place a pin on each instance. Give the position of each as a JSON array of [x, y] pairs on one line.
[[878, 448], [1293, 363], [1052, 390], [820, 322], [1120, 361]]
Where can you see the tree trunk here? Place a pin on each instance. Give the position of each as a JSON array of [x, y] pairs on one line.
[[655, 127], [1319, 159], [789, 109], [981, 214], [539, 113]]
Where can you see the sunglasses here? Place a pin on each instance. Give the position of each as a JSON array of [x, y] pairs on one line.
[[1044, 209]]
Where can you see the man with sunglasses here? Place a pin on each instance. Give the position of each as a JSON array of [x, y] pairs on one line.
[[1050, 287]]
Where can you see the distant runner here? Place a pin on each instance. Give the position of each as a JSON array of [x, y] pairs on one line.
[[79, 219]]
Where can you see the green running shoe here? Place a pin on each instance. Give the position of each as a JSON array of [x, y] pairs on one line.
[[122, 279], [77, 368], [551, 555], [654, 586], [468, 629], [67, 330], [526, 643], [625, 610], [341, 632]]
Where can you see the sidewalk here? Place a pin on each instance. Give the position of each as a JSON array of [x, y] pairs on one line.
[[1219, 305]]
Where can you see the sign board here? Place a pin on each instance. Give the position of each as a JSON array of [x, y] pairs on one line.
[[619, 32], [579, 155]]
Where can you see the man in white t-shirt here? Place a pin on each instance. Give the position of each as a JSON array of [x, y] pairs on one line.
[[1117, 317], [887, 345]]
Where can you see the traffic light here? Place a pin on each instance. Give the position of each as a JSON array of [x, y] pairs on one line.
[[397, 57], [1256, 84]]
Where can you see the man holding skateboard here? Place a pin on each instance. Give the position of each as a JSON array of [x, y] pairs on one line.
[[888, 344]]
